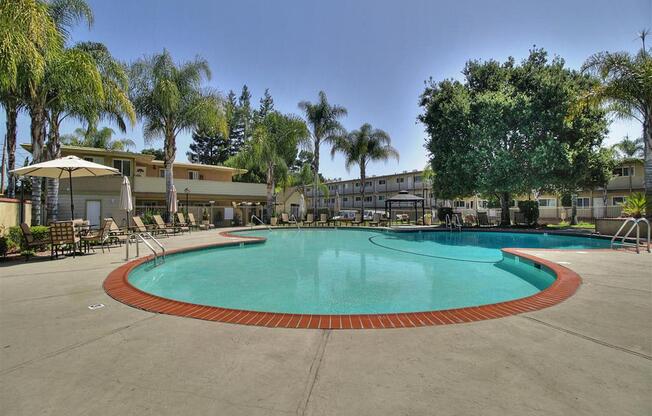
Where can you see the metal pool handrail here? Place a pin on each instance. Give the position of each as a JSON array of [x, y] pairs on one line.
[[254, 217], [635, 224]]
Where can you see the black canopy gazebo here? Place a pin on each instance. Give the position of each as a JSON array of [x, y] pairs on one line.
[[404, 198]]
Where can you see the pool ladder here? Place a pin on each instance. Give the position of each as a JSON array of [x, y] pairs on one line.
[[254, 217], [636, 224], [296, 222], [454, 222], [143, 237]]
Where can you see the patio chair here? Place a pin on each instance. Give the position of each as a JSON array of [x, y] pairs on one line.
[[116, 234], [358, 219], [139, 225], [310, 219], [519, 219], [285, 219], [162, 227], [323, 219], [100, 236], [193, 223], [483, 220], [208, 224], [183, 225], [375, 221], [62, 236], [30, 241]]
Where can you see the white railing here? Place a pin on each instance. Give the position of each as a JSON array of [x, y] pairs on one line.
[[200, 187]]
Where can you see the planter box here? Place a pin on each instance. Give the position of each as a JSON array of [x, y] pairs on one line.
[[610, 226]]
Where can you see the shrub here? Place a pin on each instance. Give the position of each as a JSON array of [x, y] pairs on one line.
[[634, 205], [443, 211], [16, 241], [3, 246], [530, 209]]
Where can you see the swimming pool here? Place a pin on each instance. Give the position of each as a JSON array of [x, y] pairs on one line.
[[355, 271]]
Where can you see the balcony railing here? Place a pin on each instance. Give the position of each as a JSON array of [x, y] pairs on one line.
[[200, 187]]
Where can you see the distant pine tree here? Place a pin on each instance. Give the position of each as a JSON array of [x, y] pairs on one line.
[[241, 126], [208, 149], [266, 106]]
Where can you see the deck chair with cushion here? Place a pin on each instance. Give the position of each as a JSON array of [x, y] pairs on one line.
[[99, 237], [375, 221], [182, 225], [310, 219], [358, 219], [30, 241], [323, 219], [162, 227], [62, 236], [193, 223]]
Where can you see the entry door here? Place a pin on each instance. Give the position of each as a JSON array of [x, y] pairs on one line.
[[598, 208], [94, 212]]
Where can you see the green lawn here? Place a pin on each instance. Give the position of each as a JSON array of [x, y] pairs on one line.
[[565, 225]]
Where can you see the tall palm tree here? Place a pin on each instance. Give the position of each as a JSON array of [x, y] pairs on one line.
[[627, 90], [170, 99], [27, 35], [272, 149], [629, 151], [360, 147], [100, 139], [323, 121]]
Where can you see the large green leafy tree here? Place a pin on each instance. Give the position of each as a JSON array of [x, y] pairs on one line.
[[510, 129], [323, 120], [171, 98], [363, 146], [97, 138], [626, 89], [28, 36], [272, 149]]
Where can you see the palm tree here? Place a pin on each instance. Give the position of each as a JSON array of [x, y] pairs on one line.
[[100, 139], [627, 90], [272, 149], [323, 121], [360, 147], [170, 99], [629, 151], [27, 35]]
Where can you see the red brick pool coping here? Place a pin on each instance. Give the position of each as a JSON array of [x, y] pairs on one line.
[[118, 287]]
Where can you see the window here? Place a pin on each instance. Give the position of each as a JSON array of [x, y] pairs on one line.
[[483, 204], [381, 182], [161, 173], [357, 184], [547, 202], [458, 204], [418, 179], [123, 165], [368, 183], [618, 200], [368, 199], [140, 171], [357, 198], [400, 180], [623, 171], [193, 175], [381, 198], [89, 158], [345, 199], [583, 202]]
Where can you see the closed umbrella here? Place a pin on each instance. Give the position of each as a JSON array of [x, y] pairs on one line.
[[172, 202], [302, 206], [126, 202], [337, 202], [70, 166]]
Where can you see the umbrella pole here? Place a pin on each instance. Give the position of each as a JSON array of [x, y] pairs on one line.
[[72, 204]]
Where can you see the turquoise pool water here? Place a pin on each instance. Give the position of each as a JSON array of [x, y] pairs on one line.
[[356, 271]]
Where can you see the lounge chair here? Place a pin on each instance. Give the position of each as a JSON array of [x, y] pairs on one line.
[[193, 223], [62, 236], [519, 219], [358, 220], [162, 227], [375, 221], [100, 236], [285, 220], [139, 225], [323, 219], [183, 225], [208, 224], [30, 241], [483, 220], [310, 219]]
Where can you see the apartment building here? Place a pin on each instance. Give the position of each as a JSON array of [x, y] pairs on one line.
[[200, 188]]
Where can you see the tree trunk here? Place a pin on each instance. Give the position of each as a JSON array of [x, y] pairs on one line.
[[504, 209], [363, 177], [573, 209], [11, 111], [53, 151], [647, 149], [315, 179], [270, 191], [37, 131], [170, 154]]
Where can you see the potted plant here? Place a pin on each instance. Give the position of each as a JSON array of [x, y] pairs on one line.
[[427, 219], [274, 219]]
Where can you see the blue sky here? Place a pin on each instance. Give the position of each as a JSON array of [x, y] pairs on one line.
[[370, 56]]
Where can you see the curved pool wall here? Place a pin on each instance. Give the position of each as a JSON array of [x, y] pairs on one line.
[[537, 273]]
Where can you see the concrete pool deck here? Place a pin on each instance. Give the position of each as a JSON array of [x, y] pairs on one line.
[[589, 355]]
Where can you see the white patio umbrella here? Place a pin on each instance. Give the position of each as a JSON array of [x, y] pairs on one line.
[[70, 166], [126, 202], [302, 206], [173, 204]]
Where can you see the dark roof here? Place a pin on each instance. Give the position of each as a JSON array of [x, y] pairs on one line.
[[404, 196]]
